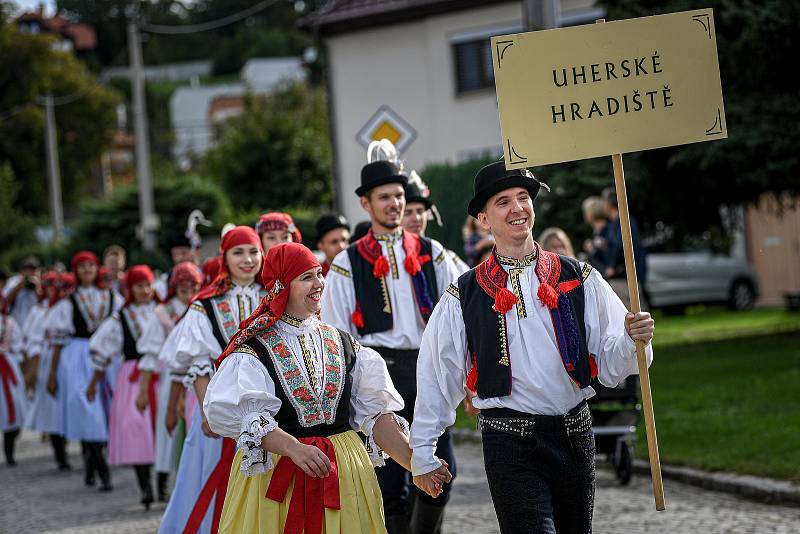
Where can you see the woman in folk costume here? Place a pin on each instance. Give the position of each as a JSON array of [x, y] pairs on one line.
[[195, 343], [292, 389], [275, 228], [131, 436], [183, 284], [12, 383], [43, 415], [69, 325]]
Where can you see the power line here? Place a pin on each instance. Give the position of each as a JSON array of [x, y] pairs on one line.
[[210, 25]]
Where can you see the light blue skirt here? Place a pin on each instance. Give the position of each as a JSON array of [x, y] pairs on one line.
[[81, 420], [43, 414], [12, 417], [166, 445], [199, 458]]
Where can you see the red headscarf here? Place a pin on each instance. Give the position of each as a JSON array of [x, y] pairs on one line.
[[185, 272], [241, 235], [284, 263], [85, 256], [134, 275], [278, 221], [211, 269]]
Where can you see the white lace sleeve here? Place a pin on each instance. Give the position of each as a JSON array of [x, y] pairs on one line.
[[240, 403]]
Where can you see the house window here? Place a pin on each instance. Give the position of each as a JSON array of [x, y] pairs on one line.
[[473, 65]]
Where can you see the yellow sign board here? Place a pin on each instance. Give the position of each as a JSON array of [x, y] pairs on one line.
[[610, 88]]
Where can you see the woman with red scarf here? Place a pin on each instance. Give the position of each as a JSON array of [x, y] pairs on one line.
[[210, 322], [131, 436], [184, 282], [43, 415], [292, 390], [276, 227], [69, 325]]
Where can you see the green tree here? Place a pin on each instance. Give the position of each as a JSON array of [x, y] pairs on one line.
[[277, 153], [29, 69]]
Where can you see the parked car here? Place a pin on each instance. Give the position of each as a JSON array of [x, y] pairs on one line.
[[675, 281]]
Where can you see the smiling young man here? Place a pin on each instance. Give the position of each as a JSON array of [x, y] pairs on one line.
[[528, 330], [382, 290]]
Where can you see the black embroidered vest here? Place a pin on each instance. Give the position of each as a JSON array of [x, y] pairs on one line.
[[216, 328], [129, 351], [487, 339], [288, 417], [79, 323], [370, 290]]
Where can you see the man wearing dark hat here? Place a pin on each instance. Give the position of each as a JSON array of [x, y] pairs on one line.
[[419, 208], [333, 236], [382, 289], [528, 330], [181, 249]]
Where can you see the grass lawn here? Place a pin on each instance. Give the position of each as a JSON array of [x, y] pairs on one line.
[[729, 405], [707, 324]]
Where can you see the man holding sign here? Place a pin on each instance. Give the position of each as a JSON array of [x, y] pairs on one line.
[[528, 330]]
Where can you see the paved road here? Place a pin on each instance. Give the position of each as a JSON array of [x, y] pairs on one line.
[[34, 497]]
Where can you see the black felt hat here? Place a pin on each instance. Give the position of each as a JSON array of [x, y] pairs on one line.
[[494, 178], [414, 193], [329, 222], [380, 173]]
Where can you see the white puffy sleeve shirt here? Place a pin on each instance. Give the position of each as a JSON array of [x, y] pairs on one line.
[[12, 342], [107, 341], [540, 383], [155, 329], [33, 330], [241, 403]]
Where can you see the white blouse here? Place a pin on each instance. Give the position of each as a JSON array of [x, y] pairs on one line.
[[11, 340], [540, 383], [241, 403], [339, 297], [59, 325], [194, 348], [33, 329], [155, 330], [107, 341]]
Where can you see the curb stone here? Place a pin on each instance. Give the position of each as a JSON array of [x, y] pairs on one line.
[[762, 489]]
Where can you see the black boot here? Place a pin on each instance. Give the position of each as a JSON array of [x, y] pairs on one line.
[[143, 477], [163, 481], [426, 518], [98, 460], [397, 524], [88, 464], [9, 440], [60, 452]]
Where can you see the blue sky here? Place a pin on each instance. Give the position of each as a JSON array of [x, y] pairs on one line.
[[30, 5]]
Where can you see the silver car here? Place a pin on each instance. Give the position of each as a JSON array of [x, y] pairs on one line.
[[675, 281]]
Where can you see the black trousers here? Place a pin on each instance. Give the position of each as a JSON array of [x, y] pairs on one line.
[[542, 482], [395, 482]]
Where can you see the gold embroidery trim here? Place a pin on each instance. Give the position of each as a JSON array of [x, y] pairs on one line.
[[514, 273], [587, 270], [308, 359], [198, 307], [508, 261], [387, 304], [247, 350], [291, 320], [453, 290], [504, 360], [344, 272], [440, 258]]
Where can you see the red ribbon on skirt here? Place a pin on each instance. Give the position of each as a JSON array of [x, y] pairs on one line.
[[9, 379], [151, 391], [217, 484], [311, 495]]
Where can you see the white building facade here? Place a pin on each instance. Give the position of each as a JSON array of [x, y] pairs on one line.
[[418, 73]]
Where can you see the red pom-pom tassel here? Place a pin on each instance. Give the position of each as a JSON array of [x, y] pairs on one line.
[[358, 317], [504, 300], [381, 267], [472, 376], [548, 295], [412, 264]]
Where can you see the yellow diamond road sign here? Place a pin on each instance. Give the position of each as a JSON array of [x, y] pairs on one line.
[[385, 123]]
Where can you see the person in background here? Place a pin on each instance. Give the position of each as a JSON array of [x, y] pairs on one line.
[[477, 241], [277, 227], [114, 262], [596, 248], [615, 268], [360, 231], [556, 240], [181, 248], [12, 384], [333, 236], [21, 292]]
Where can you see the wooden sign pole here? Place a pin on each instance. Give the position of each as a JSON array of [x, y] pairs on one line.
[[636, 307]]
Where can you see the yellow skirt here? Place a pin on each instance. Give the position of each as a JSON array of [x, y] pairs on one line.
[[247, 510]]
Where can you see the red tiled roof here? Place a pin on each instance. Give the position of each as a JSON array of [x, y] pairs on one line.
[[341, 16], [83, 36]]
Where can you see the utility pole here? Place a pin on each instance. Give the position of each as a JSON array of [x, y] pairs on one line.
[[541, 14], [149, 220], [53, 173]]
